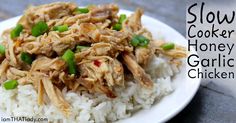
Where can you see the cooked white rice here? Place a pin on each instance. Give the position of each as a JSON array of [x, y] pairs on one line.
[[88, 108]]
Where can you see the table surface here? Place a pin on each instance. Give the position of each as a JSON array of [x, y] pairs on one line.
[[210, 105]]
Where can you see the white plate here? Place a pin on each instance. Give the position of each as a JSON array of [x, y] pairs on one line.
[[185, 88]]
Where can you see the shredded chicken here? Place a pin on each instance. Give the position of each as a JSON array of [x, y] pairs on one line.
[[40, 93], [176, 53], [138, 72], [3, 68], [46, 13], [56, 96], [103, 71], [13, 73], [133, 25], [98, 65]]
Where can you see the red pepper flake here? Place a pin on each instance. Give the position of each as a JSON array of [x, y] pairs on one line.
[[97, 63]]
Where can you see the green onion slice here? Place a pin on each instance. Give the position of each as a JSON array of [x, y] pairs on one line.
[[2, 50], [168, 46], [39, 28], [139, 41], [61, 28], [16, 31], [117, 27], [143, 41], [26, 57], [122, 18], [134, 42], [72, 67], [81, 10], [69, 57], [10, 84]]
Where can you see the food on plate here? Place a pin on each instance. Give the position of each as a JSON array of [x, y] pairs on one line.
[[83, 64]]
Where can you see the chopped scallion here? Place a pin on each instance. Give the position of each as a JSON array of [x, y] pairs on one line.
[[143, 41], [10, 84], [69, 57], [139, 40], [2, 50], [134, 42], [16, 31], [61, 28], [122, 18], [39, 28], [81, 10], [168, 46], [26, 57], [117, 27], [72, 67]]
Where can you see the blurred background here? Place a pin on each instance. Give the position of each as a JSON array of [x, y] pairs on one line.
[[210, 105]]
